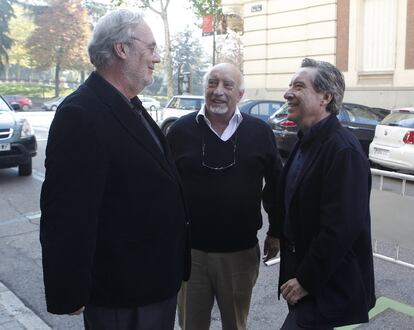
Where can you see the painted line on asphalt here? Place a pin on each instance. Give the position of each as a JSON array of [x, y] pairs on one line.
[[18, 311], [24, 217], [382, 304], [39, 176]]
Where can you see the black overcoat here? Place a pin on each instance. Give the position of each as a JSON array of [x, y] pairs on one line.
[[330, 217], [113, 228]]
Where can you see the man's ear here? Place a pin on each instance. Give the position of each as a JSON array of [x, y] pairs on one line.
[[241, 93], [326, 99], [120, 50]]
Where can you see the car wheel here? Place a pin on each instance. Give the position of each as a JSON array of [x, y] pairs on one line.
[[166, 127], [53, 107], [25, 107], [152, 107], [26, 168]]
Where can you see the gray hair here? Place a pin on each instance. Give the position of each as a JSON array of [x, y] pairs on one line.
[[115, 26], [207, 75], [328, 79]]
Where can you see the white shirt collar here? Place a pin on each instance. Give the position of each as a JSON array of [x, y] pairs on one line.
[[234, 123]]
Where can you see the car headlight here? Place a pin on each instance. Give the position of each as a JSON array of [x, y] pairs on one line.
[[27, 129]]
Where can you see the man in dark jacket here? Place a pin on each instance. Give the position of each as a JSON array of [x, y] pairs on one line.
[[223, 156], [113, 228], [326, 272]]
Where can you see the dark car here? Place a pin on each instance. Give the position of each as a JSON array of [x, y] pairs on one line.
[[17, 141], [262, 109], [359, 119], [24, 102]]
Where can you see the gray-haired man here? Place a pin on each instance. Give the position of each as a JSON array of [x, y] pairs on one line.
[[110, 249], [326, 271]]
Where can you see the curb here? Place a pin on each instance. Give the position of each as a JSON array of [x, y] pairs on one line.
[[16, 312]]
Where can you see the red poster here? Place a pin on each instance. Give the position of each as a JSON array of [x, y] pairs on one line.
[[207, 25]]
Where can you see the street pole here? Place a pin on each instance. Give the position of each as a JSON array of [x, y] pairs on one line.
[[214, 32]]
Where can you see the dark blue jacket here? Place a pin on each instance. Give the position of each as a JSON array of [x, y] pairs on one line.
[[330, 218]]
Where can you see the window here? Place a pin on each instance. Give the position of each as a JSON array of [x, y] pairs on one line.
[[401, 119], [264, 109], [361, 115], [379, 31]]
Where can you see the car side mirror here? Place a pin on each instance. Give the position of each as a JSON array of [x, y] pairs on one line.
[[16, 106]]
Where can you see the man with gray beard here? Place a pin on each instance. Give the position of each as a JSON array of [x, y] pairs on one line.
[[223, 156], [110, 249]]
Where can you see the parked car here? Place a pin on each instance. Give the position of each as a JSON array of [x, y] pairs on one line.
[[53, 104], [149, 103], [262, 109], [393, 143], [359, 119], [17, 140], [177, 107], [24, 102]]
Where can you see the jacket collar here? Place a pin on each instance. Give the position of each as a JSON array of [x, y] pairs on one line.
[[122, 110], [314, 144]]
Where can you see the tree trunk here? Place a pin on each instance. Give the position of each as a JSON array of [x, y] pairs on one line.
[[168, 60], [6, 71], [57, 79]]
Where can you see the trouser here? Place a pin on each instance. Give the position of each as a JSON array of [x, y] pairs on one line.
[[227, 277], [158, 316], [291, 323]]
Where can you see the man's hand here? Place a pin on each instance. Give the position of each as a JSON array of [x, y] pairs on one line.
[[79, 311], [292, 291], [271, 248]]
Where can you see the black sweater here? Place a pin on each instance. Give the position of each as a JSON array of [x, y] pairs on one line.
[[225, 205]]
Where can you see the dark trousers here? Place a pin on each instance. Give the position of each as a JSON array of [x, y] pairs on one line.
[[291, 324], [158, 316]]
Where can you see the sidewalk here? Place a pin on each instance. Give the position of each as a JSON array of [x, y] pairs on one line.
[[14, 315]]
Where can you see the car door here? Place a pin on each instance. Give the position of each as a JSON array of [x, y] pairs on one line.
[[361, 121]]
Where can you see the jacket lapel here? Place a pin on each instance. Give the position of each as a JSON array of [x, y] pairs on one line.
[[312, 153], [125, 116]]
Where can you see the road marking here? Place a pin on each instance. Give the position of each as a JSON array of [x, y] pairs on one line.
[[24, 217], [382, 304], [39, 176]]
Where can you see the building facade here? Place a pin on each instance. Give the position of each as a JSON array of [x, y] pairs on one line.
[[371, 41]]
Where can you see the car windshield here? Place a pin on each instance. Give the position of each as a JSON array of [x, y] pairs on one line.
[[185, 103], [400, 118], [3, 105], [282, 111], [361, 115]]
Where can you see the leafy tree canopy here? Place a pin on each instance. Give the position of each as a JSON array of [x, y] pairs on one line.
[[206, 7], [6, 13]]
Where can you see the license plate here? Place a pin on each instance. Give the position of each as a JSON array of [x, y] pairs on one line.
[[381, 152], [4, 146]]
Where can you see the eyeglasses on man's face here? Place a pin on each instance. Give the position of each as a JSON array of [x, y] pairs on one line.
[[206, 164], [152, 47]]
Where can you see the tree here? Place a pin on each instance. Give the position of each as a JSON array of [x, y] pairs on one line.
[[60, 38], [187, 56], [6, 13], [230, 50], [160, 7], [21, 26], [96, 9]]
